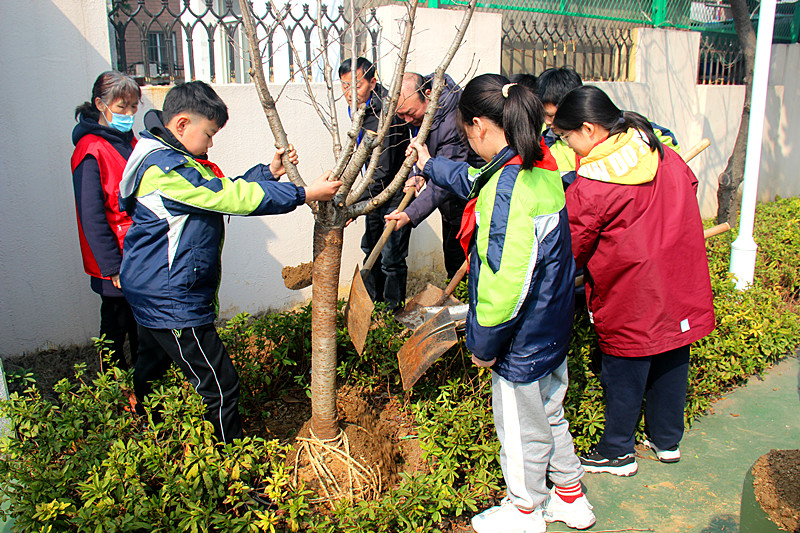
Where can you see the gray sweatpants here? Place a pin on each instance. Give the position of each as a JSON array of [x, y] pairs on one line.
[[534, 437]]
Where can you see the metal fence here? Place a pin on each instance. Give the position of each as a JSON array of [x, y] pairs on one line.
[[163, 41], [721, 61], [598, 53], [656, 13]]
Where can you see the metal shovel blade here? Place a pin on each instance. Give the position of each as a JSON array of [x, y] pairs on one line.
[[425, 346], [359, 312], [413, 314]]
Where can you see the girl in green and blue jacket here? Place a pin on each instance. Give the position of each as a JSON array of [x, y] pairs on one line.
[[521, 279]]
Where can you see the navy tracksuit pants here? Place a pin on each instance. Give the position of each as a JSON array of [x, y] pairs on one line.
[[205, 363], [661, 380]]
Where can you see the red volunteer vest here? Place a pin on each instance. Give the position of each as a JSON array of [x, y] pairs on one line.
[[111, 164]]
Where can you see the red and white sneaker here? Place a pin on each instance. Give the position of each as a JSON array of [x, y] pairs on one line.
[[507, 518], [577, 515]]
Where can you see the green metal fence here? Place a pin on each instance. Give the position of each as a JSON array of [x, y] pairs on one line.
[[656, 13], [708, 16]]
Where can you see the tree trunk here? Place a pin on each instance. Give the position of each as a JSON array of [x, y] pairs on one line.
[[325, 292], [732, 176]]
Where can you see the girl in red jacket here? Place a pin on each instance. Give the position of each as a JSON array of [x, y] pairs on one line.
[[636, 227], [103, 142]]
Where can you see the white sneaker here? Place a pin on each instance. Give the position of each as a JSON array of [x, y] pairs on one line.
[[507, 518], [577, 515], [670, 455]]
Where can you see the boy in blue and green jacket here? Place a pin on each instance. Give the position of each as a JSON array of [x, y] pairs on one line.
[[171, 264], [551, 86]]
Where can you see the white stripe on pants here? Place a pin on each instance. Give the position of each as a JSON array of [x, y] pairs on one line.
[[534, 436]]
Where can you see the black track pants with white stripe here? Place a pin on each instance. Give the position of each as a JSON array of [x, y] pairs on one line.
[[205, 363]]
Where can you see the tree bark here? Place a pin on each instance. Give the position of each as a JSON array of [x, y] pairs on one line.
[[733, 175], [327, 262]]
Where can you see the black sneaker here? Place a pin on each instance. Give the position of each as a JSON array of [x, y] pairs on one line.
[[624, 465]]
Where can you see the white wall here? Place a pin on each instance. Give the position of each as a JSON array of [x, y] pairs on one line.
[[780, 155], [434, 30], [51, 53]]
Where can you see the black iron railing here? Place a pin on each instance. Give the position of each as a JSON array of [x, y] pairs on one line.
[[721, 61], [599, 53], [163, 41]]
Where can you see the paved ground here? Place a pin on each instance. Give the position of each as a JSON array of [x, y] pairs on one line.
[[701, 493]]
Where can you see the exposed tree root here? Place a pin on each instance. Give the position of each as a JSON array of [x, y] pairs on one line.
[[359, 481]]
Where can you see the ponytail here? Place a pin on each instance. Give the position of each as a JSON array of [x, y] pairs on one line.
[[109, 86], [523, 116], [592, 105], [513, 107], [631, 119]]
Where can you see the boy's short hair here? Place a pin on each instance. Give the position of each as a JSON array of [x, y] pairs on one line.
[[554, 83], [195, 97], [526, 80], [362, 63]]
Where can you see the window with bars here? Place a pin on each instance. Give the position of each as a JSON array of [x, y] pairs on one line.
[[162, 52]]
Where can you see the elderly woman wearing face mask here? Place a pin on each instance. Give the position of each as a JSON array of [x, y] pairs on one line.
[[103, 140]]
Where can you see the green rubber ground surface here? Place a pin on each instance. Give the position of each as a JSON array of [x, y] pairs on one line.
[[702, 493]]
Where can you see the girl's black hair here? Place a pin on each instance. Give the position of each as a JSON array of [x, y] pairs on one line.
[[592, 105], [109, 86], [520, 114]]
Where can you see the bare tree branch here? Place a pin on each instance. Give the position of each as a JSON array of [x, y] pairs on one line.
[[257, 73], [352, 138], [367, 206], [387, 111]]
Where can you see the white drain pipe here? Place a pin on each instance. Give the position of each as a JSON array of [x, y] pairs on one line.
[[743, 249]]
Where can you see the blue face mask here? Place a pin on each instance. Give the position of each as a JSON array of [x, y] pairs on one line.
[[123, 123]]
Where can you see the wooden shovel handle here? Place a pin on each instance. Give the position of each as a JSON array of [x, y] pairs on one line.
[[376, 251], [716, 230], [454, 282], [696, 149]]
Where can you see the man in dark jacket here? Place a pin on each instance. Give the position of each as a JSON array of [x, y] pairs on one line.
[[443, 141], [388, 283]]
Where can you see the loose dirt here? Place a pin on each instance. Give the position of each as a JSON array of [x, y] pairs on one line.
[[380, 436], [297, 277], [776, 480], [50, 366]]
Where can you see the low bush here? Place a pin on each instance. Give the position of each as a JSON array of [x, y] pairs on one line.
[[83, 463]]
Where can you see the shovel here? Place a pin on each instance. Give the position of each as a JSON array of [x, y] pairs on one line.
[[426, 344], [413, 314], [360, 305]]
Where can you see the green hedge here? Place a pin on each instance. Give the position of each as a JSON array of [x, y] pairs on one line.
[[85, 464]]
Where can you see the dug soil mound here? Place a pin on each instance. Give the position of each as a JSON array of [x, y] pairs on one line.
[[379, 434], [297, 277], [776, 481]]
